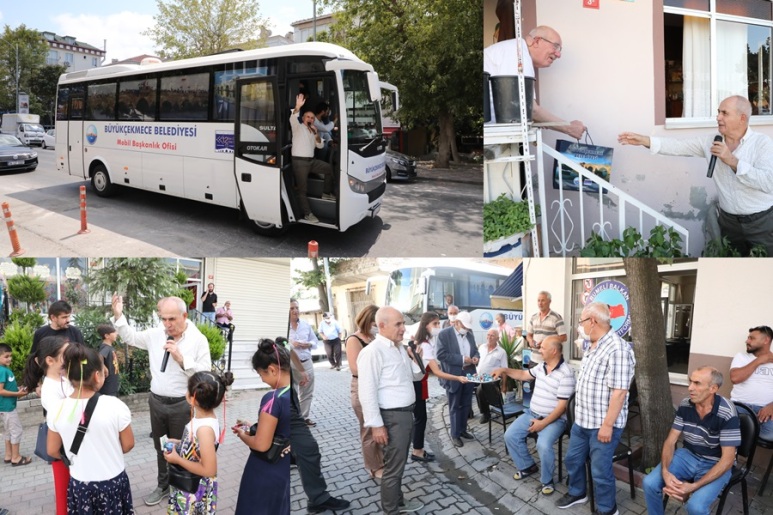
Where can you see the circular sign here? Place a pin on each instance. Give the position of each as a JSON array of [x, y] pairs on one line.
[[91, 134], [615, 295], [486, 320]]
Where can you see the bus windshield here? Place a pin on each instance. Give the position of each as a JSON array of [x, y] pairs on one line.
[[405, 293], [363, 117]]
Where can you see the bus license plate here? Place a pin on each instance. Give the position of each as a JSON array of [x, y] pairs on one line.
[[14, 163]]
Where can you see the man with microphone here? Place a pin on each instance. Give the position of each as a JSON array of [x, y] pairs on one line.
[[741, 164], [176, 351]]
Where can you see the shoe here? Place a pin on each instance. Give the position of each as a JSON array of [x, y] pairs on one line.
[[547, 489], [332, 367], [311, 218], [156, 496], [428, 456], [338, 369], [614, 511], [332, 503], [457, 442], [484, 419], [525, 472], [328, 196], [310, 422], [467, 435], [411, 506], [570, 500], [24, 460]]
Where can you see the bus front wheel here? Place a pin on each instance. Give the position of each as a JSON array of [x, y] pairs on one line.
[[100, 180], [266, 229]]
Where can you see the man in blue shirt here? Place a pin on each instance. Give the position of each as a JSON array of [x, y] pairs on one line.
[[303, 340], [697, 472], [331, 332]]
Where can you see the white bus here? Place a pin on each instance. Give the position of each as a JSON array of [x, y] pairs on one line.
[[216, 130]]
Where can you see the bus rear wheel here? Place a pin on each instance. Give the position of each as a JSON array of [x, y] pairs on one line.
[[266, 229], [100, 180]]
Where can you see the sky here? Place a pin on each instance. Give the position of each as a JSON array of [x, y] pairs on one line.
[[121, 23]]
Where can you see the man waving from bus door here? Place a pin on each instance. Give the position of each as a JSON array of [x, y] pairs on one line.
[[305, 139]]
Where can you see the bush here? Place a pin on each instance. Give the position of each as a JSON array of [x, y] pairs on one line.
[[32, 319], [215, 339], [504, 217], [137, 372], [87, 320], [19, 337]]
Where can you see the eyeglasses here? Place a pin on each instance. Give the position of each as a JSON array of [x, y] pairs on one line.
[[763, 329], [556, 46], [584, 320]]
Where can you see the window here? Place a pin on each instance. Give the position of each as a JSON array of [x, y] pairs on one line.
[[223, 108], [62, 103], [713, 54], [52, 58], [137, 100], [68, 58], [94, 62], [185, 97], [101, 101]]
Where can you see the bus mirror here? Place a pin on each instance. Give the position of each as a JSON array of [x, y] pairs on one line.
[[374, 90]]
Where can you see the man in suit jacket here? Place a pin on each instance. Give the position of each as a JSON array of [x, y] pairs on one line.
[[457, 354]]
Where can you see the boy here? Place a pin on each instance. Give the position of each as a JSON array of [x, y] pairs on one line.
[[9, 393], [108, 334]]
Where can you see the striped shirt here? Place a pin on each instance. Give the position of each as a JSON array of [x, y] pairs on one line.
[[551, 387], [609, 366], [551, 325], [705, 437]]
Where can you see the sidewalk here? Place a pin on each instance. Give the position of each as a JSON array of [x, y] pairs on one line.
[[466, 172]]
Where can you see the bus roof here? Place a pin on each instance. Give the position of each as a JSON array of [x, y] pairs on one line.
[[451, 263], [310, 49]]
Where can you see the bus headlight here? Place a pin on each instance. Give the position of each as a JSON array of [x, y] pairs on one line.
[[357, 185]]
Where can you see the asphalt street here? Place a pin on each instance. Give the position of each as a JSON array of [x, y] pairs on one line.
[[439, 214]]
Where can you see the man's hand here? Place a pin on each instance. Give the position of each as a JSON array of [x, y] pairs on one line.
[[117, 304], [174, 351], [766, 413], [498, 372], [537, 425], [722, 151], [467, 361], [605, 434], [575, 129], [299, 101], [631, 138], [380, 435], [304, 379]]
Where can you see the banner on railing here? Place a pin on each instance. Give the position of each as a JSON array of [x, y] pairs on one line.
[[594, 158]]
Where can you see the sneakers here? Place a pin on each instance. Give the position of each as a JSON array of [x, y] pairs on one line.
[[614, 511], [526, 472], [570, 500], [547, 489], [311, 218], [332, 504], [411, 506], [328, 196], [156, 496]]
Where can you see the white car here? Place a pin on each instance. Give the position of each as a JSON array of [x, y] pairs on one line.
[[49, 140]]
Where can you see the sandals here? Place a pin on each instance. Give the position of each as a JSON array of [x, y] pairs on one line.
[[25, 460], [6, 461], [525, 472]]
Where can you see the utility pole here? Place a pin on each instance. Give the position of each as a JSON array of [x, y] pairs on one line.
[[18, 76], [314, 17]]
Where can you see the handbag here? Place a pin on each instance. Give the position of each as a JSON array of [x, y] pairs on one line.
[[280, 446], [183, 479], [41, 445], [594, 158]]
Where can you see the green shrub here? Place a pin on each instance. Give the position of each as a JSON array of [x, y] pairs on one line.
[[31, 319], [137, 372], [19, 337], [87, 320], [25, 288], [662, 243], [504, 217], [215, 339]]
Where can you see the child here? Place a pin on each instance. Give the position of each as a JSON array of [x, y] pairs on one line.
[[265, 487], [9, 393], [108, 334], [98, 480], [46, 363], [198, 445]]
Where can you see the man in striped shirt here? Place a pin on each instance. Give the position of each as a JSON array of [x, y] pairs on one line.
[[542, 324], [697, 472], [546, 415]]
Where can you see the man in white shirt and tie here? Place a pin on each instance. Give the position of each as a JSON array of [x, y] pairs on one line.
[[386, 375]]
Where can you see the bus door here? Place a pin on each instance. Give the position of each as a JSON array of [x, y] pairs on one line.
[[75, 133], [257, 148]]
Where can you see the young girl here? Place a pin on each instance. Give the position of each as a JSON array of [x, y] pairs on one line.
[[46, 364], [198, 446], [265, 487], [98, 480]]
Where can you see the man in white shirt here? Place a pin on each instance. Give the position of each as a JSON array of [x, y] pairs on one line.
[[386, 375], [743, 175], [305, 139], [492, 356], [188, 353], [331, 333], [303, 340], [751, 373]]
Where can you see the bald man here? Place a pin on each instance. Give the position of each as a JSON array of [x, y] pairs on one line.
[[743, 174]]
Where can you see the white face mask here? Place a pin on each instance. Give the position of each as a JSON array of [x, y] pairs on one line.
[[452, 318], [582, 333], [434, 331], [463, 331], [373, 330]]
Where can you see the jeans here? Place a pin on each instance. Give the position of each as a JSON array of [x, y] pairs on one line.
[[209, 315], [766, 428], [686, 466], [515, 439], [583, 443]]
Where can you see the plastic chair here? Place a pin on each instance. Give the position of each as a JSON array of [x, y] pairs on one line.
[[765, 444], [492, 395]]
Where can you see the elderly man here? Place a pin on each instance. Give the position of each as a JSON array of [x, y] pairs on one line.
[[751, 373], [542, 324], [303, 340], [601, 409], [453, 312], [492, 357], [59, 314], [179, 339], [457, 354], [546, 415], [224, 319], [539, 49], [743, 175], [504, 327], [696, 473], [331, 333], [386, 375]]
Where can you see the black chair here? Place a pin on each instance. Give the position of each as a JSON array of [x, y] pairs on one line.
[[765, 444], [750, 431], [566, 432], [634, 409], [491, 394]]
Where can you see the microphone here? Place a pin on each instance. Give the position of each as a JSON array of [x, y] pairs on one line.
[[416, 358], [169, 339], [713, 160]]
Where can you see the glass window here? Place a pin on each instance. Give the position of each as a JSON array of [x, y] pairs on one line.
[[224, 108], [68, 58], [137, 100], [258, 122], [363, 116], [53, 58], [76, 102], [62, 103], [185, 97], [101, 101], [94, 62]]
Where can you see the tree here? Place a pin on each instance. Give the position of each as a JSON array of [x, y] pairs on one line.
[[648, 330], [43, 83], [431, 50], [192, 28], [31, 51], [315, 278], [26, 287]]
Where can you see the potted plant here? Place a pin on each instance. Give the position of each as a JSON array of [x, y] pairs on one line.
[[511, 346], [504, 222]]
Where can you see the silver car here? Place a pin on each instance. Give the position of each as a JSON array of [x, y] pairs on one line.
[[399, 167]]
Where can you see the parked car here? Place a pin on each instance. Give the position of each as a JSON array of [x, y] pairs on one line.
[[399, 167], [14, 155], [49, 140]]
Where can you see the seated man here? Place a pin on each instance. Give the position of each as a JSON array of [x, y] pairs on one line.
[[546, 416], [751, 373], [696, 473], [492, 357]]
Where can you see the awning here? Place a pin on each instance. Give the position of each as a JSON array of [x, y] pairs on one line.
[[512, 288]]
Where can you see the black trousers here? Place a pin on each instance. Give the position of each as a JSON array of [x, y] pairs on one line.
[[307, 456], [419, 416], [333, 351], [166, 419], [482, 404]]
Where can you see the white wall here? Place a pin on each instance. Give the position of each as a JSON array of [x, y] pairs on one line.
[[550, 275]]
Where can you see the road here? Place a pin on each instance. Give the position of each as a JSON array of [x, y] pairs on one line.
[[439, 214]]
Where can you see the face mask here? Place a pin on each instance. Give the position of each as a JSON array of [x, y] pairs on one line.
[[452, 318], [373, 330], [463, 331], [582, 333], [434, 331]]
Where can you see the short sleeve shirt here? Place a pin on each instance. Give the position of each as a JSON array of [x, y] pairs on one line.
[[551, 325], [757, 390], [112, 381], [551, 387], [8, 380], [706, 437]]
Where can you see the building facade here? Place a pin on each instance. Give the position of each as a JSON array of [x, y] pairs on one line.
[[76, 55]]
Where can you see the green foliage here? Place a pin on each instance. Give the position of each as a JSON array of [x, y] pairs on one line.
[[192, 28], [662, 243], [184, 293], [125, 385], [504, 217], [43, 83], [30, 49], [26, 288], [511, 347], [140, 371], [24, 262], [19, 337], [316, 276], [31, 319], [721, 247], [87, 321], [215, 339]]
